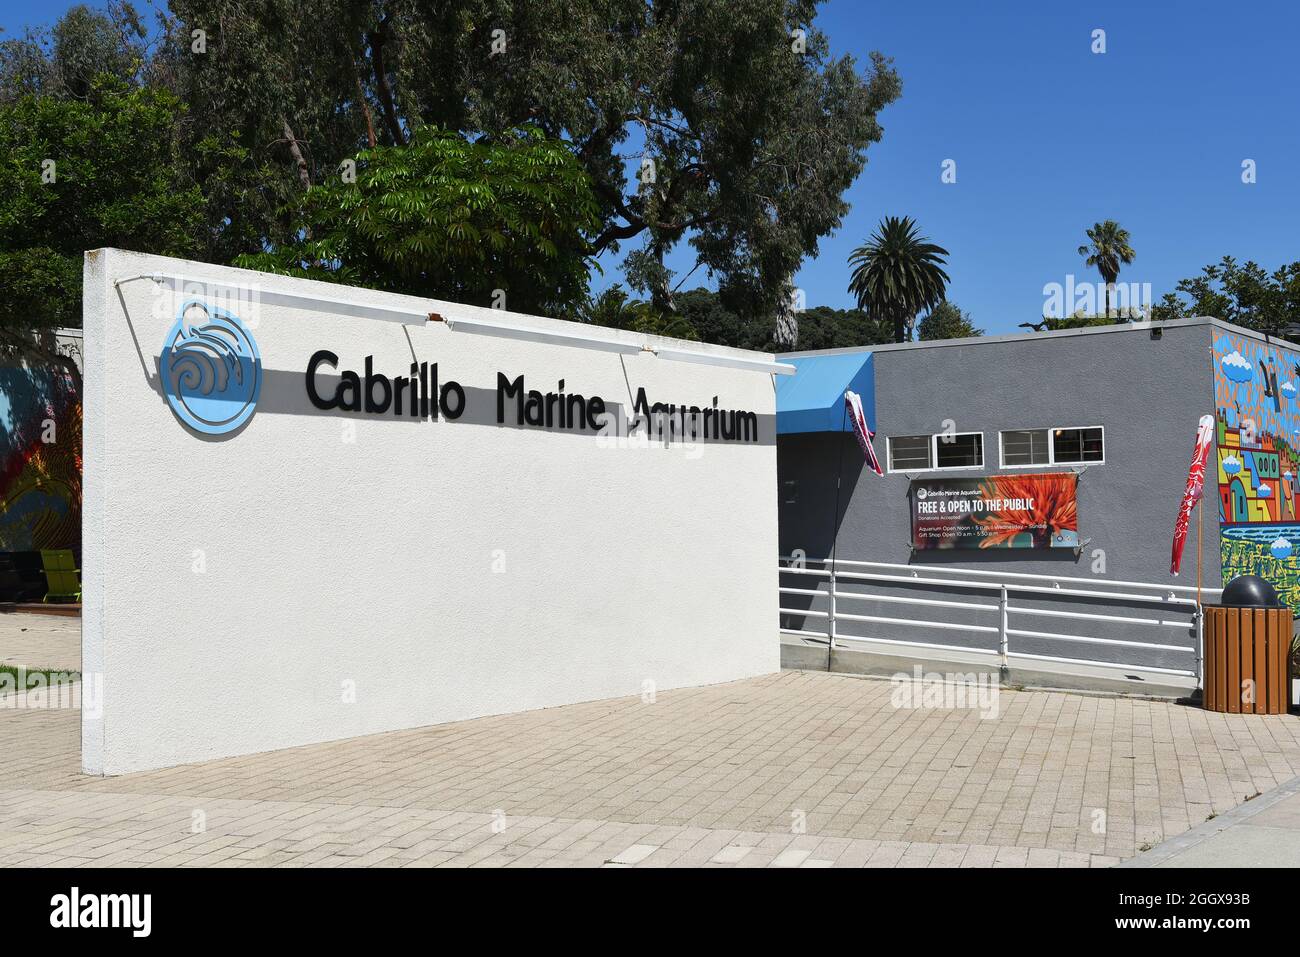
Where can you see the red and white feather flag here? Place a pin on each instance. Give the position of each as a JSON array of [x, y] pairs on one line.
[[1195, 485], [853, 404]]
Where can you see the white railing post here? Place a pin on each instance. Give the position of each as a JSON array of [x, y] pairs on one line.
[[1002, 633], [830, 627]]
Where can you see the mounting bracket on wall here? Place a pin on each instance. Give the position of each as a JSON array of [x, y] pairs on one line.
[[1078, 549]]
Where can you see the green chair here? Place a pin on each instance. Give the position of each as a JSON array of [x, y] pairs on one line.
[[61, 573]]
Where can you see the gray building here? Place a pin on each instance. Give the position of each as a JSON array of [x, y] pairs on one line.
[[1113, 413]]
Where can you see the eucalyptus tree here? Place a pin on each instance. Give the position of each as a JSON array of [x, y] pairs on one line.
[[727, 125], [63, 59]]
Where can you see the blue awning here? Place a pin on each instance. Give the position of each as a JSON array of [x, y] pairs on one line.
[[812, 400]]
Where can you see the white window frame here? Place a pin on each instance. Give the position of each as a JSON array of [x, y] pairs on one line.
[[1051, 447], [1002, 450], [935, 437]]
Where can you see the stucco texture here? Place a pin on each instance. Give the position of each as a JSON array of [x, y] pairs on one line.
[[318, 575], [1147, 393]]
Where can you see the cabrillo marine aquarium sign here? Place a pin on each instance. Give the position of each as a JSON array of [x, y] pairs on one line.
[[420, 395], [212, 378]]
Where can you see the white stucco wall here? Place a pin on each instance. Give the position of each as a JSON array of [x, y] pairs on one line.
[[234, 587]]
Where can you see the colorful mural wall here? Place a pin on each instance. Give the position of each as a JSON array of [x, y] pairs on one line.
[[1258, 448], [40, 460]]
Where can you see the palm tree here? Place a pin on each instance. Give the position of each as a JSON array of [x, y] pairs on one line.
[[1109, 248], [898, 274]]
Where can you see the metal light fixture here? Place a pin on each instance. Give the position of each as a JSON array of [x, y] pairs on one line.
[[343, 307], [528, 334], [412, 316], [732, 362]]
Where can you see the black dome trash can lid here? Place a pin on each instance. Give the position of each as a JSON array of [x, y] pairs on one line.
[[1249, 591]]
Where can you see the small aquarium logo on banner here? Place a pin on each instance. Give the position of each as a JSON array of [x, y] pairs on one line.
[[211, 370], [1003, 511]]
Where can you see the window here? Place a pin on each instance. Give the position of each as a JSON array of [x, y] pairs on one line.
[[909, 453], [1077, 445], [923, 453], [964, 451], [1070, 446], [1025, 447]]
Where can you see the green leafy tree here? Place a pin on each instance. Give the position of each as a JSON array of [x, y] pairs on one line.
[[450, 219], [240, 179], [1078, 320], [1106, 251], [64, 60], [823, 327], [743, 129], [1244, 294], [714, 322], [278, 103], [703, 314], [898, 274], [744, 134], [78, 175], [946, 321], [614, 309]]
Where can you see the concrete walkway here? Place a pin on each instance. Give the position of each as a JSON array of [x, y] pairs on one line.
[[793, 769], [40, 641], [796, 769], [1264, 832]]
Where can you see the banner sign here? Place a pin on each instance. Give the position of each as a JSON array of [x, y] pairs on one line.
[[853, 406], [1195, 485], [1001, 511]]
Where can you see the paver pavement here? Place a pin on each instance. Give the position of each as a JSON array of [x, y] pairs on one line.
[[795, 769], [40, 641]]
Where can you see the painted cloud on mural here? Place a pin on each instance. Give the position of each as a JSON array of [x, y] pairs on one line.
[[1236, 368]]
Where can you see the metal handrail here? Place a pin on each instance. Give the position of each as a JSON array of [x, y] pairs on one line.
[[941, 569], [1005, 610], [1011, 586]]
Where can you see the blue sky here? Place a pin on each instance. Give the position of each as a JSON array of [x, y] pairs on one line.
[[1049, 137]]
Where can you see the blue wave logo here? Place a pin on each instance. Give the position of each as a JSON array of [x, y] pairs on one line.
[[211, 370]]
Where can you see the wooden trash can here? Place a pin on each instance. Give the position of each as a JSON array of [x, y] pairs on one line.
[[1246, 659]]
